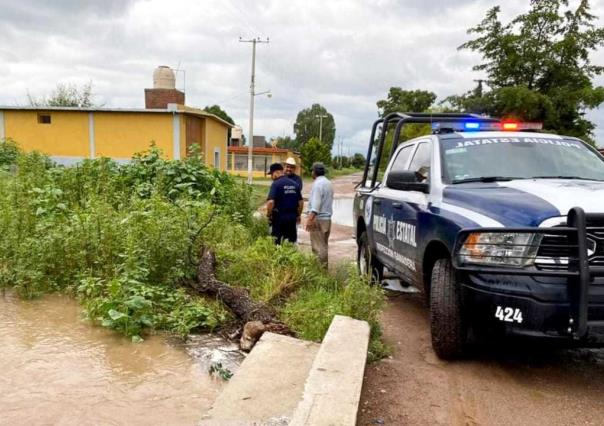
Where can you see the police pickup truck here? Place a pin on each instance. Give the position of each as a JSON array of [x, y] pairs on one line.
[[500, 225]]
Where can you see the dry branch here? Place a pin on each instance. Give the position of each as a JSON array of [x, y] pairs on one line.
[[257, 317]]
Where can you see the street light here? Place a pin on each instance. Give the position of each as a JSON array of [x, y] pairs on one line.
[[321, 117], [253, 94], [250, 148]]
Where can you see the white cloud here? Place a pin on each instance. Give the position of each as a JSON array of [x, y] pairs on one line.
[[343, 54]]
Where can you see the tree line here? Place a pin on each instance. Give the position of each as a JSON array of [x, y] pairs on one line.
[[536, 67]]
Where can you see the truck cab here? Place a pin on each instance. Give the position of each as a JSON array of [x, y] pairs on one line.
[[500, 225]]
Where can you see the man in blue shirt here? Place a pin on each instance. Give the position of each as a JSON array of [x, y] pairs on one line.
[[320, 205], [284, 205], [290, 171]]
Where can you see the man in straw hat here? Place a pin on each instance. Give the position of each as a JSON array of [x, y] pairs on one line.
[[290, 171]]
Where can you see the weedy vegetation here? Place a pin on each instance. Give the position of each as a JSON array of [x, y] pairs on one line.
[[124, 238]]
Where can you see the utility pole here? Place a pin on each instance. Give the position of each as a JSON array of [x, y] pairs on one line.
[[252, 95], [321, 117], [479, 88]]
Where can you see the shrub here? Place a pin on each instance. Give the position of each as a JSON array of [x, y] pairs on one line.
[[123, 239]]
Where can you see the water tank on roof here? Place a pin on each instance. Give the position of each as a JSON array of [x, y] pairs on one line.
[[236, 133], [163, 78]]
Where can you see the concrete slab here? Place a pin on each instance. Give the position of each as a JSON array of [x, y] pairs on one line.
[[267, 386], [333, 388]]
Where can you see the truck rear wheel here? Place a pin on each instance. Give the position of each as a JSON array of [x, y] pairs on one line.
[[366, 261], [449, 332]]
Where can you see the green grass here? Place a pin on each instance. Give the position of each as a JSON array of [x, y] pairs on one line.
[[333, 173]]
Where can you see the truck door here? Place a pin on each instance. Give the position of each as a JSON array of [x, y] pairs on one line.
[[383, 212], [403, 208]]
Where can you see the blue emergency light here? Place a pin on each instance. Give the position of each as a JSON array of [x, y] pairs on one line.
[[475, 126]]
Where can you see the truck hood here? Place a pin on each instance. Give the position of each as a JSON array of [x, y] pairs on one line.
[[523, 202]]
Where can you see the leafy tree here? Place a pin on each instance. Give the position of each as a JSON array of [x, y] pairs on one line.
[[340, 162], [66, 95], [538, 66], [400, 100], [219, 112], [287, 142], [358, 161], [308, 123], [314, 150]]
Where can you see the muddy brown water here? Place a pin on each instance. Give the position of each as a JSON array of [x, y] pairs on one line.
[[56, 368]]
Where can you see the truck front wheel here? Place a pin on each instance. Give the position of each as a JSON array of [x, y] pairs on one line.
[[366, 261], [449, 332]]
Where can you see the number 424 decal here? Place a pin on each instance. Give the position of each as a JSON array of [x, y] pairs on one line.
[[507, 314]]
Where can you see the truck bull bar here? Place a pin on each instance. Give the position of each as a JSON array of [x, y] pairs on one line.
[[579, 272]]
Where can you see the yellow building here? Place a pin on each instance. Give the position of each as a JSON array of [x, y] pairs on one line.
[[262, 158], [69, 135]]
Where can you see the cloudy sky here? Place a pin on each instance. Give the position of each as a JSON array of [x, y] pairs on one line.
[[343, 54]]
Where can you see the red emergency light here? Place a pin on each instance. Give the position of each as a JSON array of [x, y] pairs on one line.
[[510, 125]]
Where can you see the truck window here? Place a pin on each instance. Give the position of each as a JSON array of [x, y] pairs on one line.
[[371, 161], [520, 158], [400, 162], [421, 161]]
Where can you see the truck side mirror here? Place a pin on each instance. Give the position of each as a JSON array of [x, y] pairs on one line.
[[407, 180]]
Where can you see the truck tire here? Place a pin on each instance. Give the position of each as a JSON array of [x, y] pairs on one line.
[[367, 262], [449, 332]]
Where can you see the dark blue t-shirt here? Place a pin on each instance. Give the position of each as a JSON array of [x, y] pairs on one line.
[[286, 194], [296, 179]]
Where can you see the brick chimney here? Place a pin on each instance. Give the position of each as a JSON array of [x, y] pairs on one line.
[[164, 90]]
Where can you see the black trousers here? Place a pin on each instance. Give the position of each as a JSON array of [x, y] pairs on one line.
[[285, 231]]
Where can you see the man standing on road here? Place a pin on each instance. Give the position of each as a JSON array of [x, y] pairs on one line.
[[284, 205], [290, 171], [320, 205]]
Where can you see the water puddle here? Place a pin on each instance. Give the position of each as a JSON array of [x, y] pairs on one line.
[[342, 211], [60, 369]]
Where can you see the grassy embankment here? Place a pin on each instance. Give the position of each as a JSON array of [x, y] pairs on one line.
[[122, 239]]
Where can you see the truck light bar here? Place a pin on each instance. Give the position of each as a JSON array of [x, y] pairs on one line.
[[475, 126]]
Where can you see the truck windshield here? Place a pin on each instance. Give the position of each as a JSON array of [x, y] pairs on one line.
[[503, 158]]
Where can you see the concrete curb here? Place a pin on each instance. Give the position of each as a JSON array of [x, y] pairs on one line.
[[333, 387], [285, 378], [267, 386]]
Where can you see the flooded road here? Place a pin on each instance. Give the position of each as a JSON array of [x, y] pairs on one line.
[[342, 211], [59, 369]]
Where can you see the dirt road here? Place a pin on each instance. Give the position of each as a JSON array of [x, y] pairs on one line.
[[508, 385]]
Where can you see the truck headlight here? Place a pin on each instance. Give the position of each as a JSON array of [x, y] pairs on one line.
[[500, 248]]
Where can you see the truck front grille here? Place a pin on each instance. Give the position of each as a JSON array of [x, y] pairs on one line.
[[556, 251]]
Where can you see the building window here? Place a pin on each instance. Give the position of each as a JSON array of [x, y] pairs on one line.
[[262, 162], [217, 159], [44, 119], [240, 162]]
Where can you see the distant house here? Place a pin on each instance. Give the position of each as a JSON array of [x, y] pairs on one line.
[[70, 135], [260, 142], [262, 158]]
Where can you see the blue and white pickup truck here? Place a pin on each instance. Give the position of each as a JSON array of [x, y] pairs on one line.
[[501, 226]]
